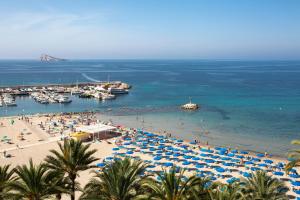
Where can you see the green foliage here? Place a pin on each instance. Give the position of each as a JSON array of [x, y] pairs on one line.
[[118, 181], [72, 157], [6, 179], [35, 182], [294, 156], [264, 187]]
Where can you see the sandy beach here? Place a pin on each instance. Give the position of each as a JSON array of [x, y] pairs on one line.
[[33, 136]]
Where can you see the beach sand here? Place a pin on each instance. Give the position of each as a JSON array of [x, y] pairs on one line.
[[39, 141]]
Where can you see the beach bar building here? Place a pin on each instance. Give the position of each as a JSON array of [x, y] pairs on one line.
[[98, 131]]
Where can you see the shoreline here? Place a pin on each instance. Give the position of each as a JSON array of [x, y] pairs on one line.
[[103, 116]]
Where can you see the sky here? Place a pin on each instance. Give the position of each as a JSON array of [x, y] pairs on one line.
[[150, 29]]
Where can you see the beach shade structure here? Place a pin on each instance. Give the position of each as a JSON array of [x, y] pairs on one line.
[[262, 165], [129, 152], [260, 155], [244, 152], [127, 143], [109, 158], [234, 151], [225, 158], [176, 154], [231, 154], [170, 148], [151, 166], [193, 142], [127, 139], [179, 141], [240, 156], [249, 163], [232, 180], [268, 161], [100, 164], [200, 165], [228, 164], [144, 147], [296, 183], [215, 156], [255, 168], [168, 164], [278, 173], [294, 175], [116, 149], [280, 165], [185, 151], [195, 158], [187, 156], [247, 175], [157, 158], [209, 161], [168, 153], [152, 149], [161, 147], [186, 162], [297, 192], [255, 159], [220, 169], [204, 155]]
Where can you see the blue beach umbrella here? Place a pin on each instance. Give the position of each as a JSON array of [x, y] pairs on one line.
[[268, 161], [255, 169], [240, 156], [187, 157], [209, 161], [249, 163], [157, 158], [220, 169], [215, 157], [234, 151], [100, 164], [116, 149], [168, 153], [246, 174], [255, 159], [244, 152], [231, 154], [186, 163], [200, 165], [260, 155], [129, 152], [262, 165], [294, 176], [278, 173], [195, 158], [296, 183], [168, 164]]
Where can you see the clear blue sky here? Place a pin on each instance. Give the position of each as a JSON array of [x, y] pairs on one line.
[[210, 29]]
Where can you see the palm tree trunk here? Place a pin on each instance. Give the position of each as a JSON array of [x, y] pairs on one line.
[[73, 188]]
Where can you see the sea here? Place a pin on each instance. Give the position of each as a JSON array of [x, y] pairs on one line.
[[250, 105]]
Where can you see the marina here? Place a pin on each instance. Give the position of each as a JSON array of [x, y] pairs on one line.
[[58, 93]]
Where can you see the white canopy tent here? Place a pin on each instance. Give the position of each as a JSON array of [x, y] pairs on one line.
[[96, 129]]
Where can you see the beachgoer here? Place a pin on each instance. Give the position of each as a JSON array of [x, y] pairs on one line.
[[4, 153]]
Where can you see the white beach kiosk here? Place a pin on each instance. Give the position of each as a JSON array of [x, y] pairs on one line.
[[100, 131]]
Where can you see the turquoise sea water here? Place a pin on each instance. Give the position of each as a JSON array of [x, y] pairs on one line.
[[252, 105]]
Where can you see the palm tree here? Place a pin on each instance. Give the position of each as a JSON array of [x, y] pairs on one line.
[[172, 186], [120, 180], [295, 157], [71, 158], [6, 178], [227, 192], [264, 187], [34, 182]]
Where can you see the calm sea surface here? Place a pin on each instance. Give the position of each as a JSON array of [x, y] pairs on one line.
[[249, 105]]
